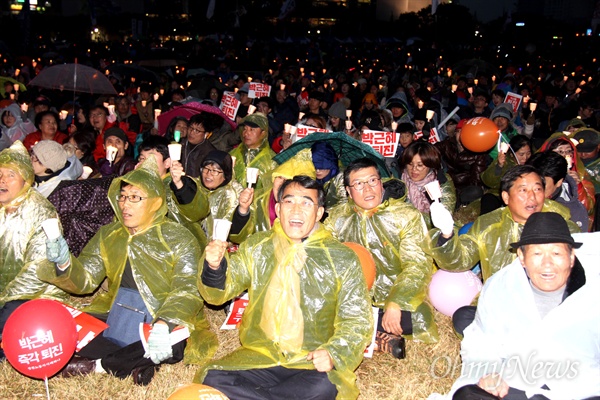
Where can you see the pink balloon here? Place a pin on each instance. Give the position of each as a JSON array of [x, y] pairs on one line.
[[39, 338], [448, 291]]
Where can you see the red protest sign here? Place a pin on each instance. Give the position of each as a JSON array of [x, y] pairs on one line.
[[385, 143], [229, 105]]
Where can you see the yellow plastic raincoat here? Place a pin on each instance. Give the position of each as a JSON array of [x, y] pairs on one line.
[[164, 259], [394, 233], [335, 191], [222, 204], [332, 305], [492, 176], [22, 240], [487, 241], [263, 161], [189, 215]]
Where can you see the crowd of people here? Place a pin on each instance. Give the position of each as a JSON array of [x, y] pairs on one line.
[[144, 221]]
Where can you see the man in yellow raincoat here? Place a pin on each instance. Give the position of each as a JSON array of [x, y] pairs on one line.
[[308, 319], [22, 240], [488, 240], [378, 218], [151, 264], [254, 151]]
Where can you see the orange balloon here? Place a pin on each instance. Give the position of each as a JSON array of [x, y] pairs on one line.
[[479, 134], [196, 391], [366, 262]]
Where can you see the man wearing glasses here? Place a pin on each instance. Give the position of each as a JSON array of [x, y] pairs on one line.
[[151, 264], [195, 145], [377, 217]]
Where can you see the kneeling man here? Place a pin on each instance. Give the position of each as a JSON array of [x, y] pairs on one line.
[[308, 319], [536, 330]]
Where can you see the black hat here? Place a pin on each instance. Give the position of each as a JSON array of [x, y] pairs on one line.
[[118, 132], [315, 94], [587, 140], [545, 227], [223, 160]]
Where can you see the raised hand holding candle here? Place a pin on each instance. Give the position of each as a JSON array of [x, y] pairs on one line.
[[251, 176]]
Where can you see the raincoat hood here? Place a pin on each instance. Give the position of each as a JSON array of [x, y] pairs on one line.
[[15, 111], [145, 177], [20, 128], [17, 158], [300, 164]]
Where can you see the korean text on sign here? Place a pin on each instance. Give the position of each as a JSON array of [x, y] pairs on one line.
[[229, 105], [385, 143], [259, 90]]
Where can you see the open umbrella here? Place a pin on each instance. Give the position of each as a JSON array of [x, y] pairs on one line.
[[75, 77], [347, 149], [187, 110], [3, 79]]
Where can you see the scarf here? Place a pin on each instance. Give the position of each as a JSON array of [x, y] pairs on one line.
[[416, 191]]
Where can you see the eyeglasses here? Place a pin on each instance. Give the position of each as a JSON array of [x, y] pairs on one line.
[[213, 172], [195, 130], [417, 167], [565, 152], [360, 185], [133, 198], [97, 115]]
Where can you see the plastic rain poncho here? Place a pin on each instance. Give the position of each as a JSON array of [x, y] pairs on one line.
[[164, 259], [394, 233], [20, 128], [22, 239], [189, 215], [335, 191], [263, 161], [320, 282], [223, 202], [487, 242]]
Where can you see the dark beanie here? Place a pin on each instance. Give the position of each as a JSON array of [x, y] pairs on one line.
[[324, 157], [223, 160], [118, 132]]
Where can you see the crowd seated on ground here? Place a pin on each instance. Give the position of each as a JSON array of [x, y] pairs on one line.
[[129, 188]]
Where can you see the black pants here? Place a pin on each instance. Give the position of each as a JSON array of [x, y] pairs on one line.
[[120, 361], [272, 383], [5, 312], [474, 392], [462, 318], [405, 322]]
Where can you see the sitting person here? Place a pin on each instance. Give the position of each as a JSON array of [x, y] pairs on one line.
[[328, 173], [254, 151], [186, 203], [536, 332], [22, 240], [123, 162], [52, 165], [47, 124], [151, 264], [378, 217], [422, 165], [488, 239], [309, 318], [226, 197], [560, 186]]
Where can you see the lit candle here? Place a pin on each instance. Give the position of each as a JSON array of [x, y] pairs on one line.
[[475, 81], [470, 90], [532, 106], [251, 109], [24, 107], [449, 72], [282, 86], [155, 96], [394, 126], [16, 86], [348, 114], [420, 104], [63, 114], [157, 113], [12, 96], [161, 91], [144, 103], [454, 87], [429, 114]]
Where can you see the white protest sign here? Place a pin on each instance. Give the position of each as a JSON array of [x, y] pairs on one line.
[[229, 105], [385, 143]]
